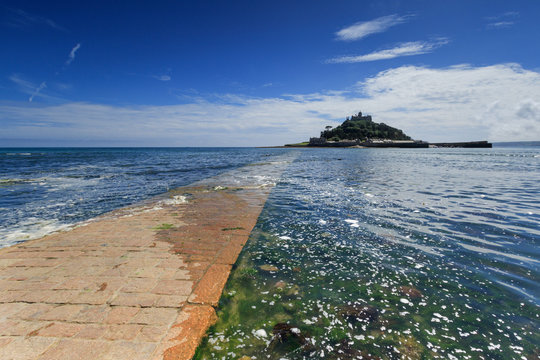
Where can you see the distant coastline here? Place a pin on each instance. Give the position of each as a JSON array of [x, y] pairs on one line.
[[386, 143], [496, 144], [360, 131]]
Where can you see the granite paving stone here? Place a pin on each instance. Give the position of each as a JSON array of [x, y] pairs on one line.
[[121, 332], [121, 314], [91, 331], [24, 348], [122, 286], [59, 330], [78, 349]]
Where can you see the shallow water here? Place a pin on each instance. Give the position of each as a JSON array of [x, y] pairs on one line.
[[392, 254], [49, 189], [359, 253]]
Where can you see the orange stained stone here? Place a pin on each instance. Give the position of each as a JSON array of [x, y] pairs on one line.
[[189, 329], [122, 287], [209, 289]]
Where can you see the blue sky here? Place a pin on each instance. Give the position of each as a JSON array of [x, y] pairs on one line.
[[248, 73]]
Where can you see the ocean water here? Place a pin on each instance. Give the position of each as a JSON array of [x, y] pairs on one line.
[[45, 190], [391, 254], [358, 253]]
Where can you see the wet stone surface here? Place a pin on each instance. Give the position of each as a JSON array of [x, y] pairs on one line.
[[138, 283]]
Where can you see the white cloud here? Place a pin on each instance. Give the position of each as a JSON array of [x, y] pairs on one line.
[[500, 24], [403, 49], [162, 77], [362, 29], [23, 85], [31, 89], [459, 103], [41, 86], [502, 21], [28, 87], [508, 14], [22, 19], [72, 53]]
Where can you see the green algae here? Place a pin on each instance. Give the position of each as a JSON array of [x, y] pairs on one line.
[[11, 182], [420, 314], [232, 228], [163, 227]]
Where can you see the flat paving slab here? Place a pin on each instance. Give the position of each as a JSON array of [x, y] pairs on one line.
[[138, 283]]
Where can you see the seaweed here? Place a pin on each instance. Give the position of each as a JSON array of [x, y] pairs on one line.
[[349, 302]]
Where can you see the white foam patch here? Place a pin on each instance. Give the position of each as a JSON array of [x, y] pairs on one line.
[[32, 228], [175, 200], [261, 334], [352, 223]]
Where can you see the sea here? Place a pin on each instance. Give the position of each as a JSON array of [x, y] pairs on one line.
[[357, 254]]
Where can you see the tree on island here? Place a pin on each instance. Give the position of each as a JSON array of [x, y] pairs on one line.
[[363, 128]]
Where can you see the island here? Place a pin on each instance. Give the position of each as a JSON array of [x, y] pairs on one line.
[[361, 131]]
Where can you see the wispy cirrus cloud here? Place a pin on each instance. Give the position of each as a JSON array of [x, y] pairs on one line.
[[403, 49], [18, 18], [36, 92], [362, 29], [162, 77], [32, 89], [23, 84], [72, 54], [508, 14], [502, 21], [499, 24], [27, 87]]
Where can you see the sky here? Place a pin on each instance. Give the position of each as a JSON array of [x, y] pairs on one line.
[[258, 73]]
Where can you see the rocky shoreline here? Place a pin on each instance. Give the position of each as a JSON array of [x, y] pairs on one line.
[[387, 144]]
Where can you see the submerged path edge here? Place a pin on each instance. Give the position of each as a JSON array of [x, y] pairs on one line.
[[141, 282]]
